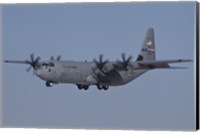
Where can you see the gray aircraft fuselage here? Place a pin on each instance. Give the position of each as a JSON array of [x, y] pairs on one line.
[[80, 72]]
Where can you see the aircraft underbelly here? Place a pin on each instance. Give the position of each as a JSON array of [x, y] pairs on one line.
[[113, 78], [127, 77]]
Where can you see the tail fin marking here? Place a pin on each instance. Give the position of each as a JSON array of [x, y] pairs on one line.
[[148, 47]]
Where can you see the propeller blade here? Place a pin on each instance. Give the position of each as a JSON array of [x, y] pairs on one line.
[[124, 62], [58, 57], [52, 58], [95, 61], [37, 59], [129, 58], [123, 57], [100, 63], [100, 58], [28, 69], [33, 62], [32, 57]]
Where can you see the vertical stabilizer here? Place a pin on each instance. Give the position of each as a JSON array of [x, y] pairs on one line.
[[148, 47]]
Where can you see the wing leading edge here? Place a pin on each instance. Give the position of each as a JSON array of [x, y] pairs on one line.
[[17, 62]]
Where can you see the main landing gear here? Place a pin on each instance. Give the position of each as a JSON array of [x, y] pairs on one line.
[[80, 87], [104, 87], [85, 87], [49, 84]]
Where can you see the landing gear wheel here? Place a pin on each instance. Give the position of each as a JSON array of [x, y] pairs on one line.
[[99, 87], [105, 87], [80, 87], [85, 87], [49, 84]]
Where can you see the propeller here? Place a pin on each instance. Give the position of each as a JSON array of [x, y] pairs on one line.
[[99, 64], [125, 62], [58, 58], [33, 62]]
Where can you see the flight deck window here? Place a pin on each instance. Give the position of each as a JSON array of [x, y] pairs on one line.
[[51, 64]]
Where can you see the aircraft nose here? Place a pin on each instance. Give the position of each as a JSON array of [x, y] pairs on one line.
[[38, 72]]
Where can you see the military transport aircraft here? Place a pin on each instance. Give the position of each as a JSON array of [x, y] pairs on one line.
[[102, 73]]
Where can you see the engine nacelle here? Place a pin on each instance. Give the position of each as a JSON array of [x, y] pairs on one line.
[[108, 67]]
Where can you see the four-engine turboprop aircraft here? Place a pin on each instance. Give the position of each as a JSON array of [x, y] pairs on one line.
[[102, 73]]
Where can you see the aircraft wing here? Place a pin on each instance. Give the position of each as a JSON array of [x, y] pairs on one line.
[[159, 63], [17, 62]]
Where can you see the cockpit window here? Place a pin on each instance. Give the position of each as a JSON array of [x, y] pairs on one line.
[[48, 64], [44, 64], [51, 64]]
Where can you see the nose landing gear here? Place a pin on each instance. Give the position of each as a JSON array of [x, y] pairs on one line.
[[49, 84]]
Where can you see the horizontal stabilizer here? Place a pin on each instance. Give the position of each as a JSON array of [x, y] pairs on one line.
[[177, 67], [161, 63], [172, 67]]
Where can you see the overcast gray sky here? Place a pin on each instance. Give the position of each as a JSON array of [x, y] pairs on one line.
[[159, 99]]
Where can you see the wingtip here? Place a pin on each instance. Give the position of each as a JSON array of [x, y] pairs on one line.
[[185, 60], [189, 60], [177, 67]]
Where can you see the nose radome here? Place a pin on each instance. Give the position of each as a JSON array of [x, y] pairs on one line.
[[38, 72]]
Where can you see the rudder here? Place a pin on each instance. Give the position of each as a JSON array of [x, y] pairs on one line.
[[148, 47]]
